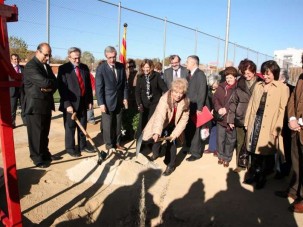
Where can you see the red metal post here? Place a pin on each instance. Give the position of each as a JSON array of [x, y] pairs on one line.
[[13, 218]]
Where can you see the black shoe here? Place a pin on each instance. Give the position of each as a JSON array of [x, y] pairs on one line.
[[87, 150], [282, 194], [154, 157], [42, 165], [192, 158], [249, 180], [260, 182], [75, 155], [168, 171], [52, 158]]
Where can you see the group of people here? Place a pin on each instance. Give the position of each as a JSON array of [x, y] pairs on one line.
[[248, 109]]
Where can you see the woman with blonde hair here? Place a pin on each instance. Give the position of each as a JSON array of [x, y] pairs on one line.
[[169, 119]]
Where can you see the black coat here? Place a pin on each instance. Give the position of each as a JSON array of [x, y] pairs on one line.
[[69, 88], [35, 78], [197, 91], [239, 102], [157, 88]]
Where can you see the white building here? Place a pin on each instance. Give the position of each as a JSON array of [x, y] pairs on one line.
[[290, 57]]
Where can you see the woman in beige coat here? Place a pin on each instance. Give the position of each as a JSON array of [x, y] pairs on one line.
[[169, 119], [264, 121]]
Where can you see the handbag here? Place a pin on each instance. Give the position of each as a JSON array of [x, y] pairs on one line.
[[243, 159]]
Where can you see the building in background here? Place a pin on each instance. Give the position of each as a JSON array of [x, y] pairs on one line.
[[290, 57]]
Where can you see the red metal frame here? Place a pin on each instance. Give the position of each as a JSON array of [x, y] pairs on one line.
[[13, 218]]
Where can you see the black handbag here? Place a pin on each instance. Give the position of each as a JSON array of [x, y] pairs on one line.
[[243, 157]]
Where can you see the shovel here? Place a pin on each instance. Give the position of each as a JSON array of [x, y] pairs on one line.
[[101, 154], [140, 140]]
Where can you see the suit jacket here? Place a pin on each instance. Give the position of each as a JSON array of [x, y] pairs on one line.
[[15, 91], [168, 75], [69, 88], [35, 78], [197, 91], [157, 88], [294, 106], [110, 91]]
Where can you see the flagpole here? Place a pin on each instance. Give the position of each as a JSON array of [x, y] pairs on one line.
[[122, 56]]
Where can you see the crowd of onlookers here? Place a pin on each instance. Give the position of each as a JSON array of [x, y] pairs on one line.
[[259, 115]]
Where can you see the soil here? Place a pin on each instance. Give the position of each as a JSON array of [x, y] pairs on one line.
[[129, 191]]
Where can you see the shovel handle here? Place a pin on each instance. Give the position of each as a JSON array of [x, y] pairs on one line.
[[74, 117]]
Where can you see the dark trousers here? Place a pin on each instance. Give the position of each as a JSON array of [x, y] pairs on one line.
[[240, 141], [226, 140], [193, 139], [212, 145], [14, 106], [38, 126], [296, 183], [70, 129], [170, 154], [111, 125]]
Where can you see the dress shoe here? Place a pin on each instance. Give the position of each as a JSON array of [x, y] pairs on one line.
[[75, 155], [120, 147], [192, 158], [250, 180], [52, 158], [215, 153], [297, 207], [154, 157], [220, 161], [168, 171], [260, 182], [42, 165], [284, 194], [207, 152], [87, 150], [225, 164], [238, 169]]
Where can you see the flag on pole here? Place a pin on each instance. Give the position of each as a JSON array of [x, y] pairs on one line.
[[123, 47]]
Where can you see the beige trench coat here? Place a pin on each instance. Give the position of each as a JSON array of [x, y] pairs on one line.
[[163, 115], [270, 139]]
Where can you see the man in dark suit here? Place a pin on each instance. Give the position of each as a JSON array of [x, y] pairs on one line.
[[76, 96], [175, 71], [112, 94], [17, 93], [40, 84], [197, 92]]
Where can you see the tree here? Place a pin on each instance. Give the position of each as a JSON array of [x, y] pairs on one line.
[[18, 46], [88, 59]]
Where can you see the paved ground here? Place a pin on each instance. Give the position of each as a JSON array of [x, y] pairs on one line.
[[125, 191]]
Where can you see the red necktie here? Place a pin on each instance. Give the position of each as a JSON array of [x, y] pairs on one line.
[[16, 68], [80, 80]]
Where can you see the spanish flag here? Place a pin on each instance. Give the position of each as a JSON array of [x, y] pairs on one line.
[[123, 47]]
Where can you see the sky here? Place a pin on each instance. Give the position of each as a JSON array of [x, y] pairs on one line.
[[261, 26]]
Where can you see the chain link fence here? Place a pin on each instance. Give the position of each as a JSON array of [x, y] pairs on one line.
[[93, 25]]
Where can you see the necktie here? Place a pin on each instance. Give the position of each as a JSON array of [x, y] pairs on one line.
[[16, 68], [80, 80], [176, 74], [114, 71]]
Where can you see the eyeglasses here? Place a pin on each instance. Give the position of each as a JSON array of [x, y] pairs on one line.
[[45, 55], [130, 66], [74, 59]]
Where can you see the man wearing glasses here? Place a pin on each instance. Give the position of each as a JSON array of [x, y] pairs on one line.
[[175, 71], [40, 84], [112, 94], [76, 97]]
